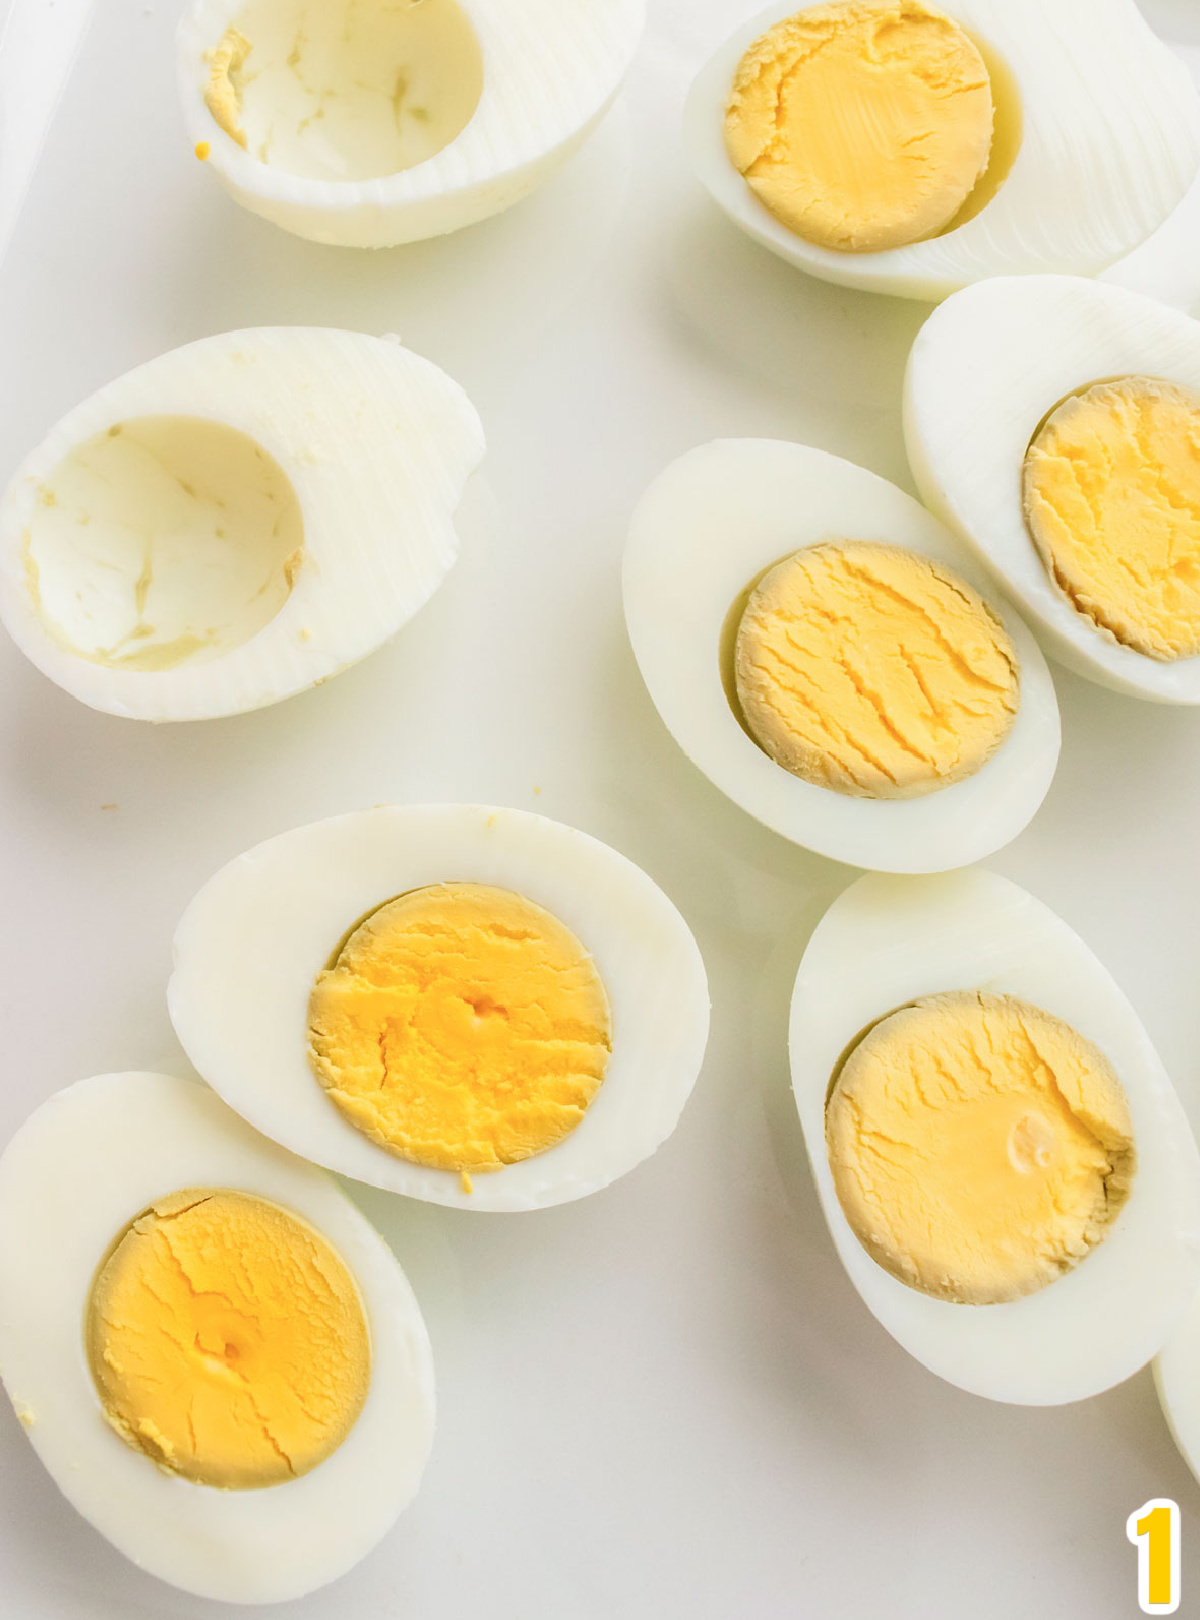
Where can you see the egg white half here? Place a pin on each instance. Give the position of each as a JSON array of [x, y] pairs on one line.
[[78, 1171], [1177, 1375], [251, 944], [712, 522], [551, 69], [1110, 145], [887, 941], [987, 367]]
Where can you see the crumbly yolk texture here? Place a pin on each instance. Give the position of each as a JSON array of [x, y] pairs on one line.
[[228, 1341], [874, 671], [1112, 501], [224, 94], [980, 1147], [864, 125], [461, 1027]]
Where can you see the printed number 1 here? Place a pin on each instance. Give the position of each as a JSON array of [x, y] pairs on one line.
[[1154, 1530]]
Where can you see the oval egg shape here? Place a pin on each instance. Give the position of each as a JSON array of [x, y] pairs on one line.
[[888, 941]]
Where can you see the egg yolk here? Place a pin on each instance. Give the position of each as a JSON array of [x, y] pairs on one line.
[[1112, 501], [228, 1340], [980, 1147], [461, 1027], [863, 125], [873, 671]]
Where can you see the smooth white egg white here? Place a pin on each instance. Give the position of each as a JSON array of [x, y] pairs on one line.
[[378, 445], [252, 942], [1177, 1375], [986, 368], [1109, 147], [78, 1171], [887, 941], [551, 68], [709, 525]]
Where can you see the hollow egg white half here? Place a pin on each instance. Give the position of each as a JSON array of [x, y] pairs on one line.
[[368, 124], [252, 942], [708, 526], [887, 941], [986, 369], [235, 521], [1097, 145], [89, 1161]]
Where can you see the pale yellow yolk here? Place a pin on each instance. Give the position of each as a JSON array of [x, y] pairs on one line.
[[864, 125], [1112, 501], [224, 94], [227, 1340], [874, 671], [461, 1027], [980, 1147]]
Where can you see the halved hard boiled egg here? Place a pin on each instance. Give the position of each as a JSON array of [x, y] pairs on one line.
[[368, 123], [1055, 424], [1008, 1175], [217, 1358], [829, 656], [473, 1006], [235, 521], [908, 148]]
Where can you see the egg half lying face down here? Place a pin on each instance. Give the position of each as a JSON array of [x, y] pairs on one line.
[[1055, 424], [216, 1357], [905, 148], [828, 655], [367, 123], [472, 1006], [1007, 1172], [235, 521]]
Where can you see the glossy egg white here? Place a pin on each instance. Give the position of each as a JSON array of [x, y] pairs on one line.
[[88, 1162], [550, 69], [887, 941], [377, 445], [1109, 131], [986, 368], [253, 941], [709, 525]]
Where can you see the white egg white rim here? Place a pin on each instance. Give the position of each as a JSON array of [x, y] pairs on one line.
[[680, 585], [1004, 354], [235, 1546], [1175, 1376], [239, 993], [233, 379], [939, 265], [887, 941]]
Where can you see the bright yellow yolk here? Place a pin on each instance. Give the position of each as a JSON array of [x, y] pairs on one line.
[[864, 125], [227, 1340], [980, 1147], [874, 671], [461, 1027], [1112, 500]]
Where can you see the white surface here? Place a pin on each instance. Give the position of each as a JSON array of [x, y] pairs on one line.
[[665, 1402]]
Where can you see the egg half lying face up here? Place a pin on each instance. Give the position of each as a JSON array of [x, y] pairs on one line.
[[1019, 1206], [368, 123], [235, 521], [911, 149], [472, 1006], [216, 1357]]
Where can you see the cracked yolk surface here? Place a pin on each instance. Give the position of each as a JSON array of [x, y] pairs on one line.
[[862, 126], [461, 1027], [874, 671], [1112, 502], [980, 1147], [228, 1340]]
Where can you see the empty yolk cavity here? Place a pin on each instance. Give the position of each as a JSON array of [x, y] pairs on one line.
[[873, 671], [461, 1027], [980, 1147], [227, 1340], [863, 125], [1112, 501]]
